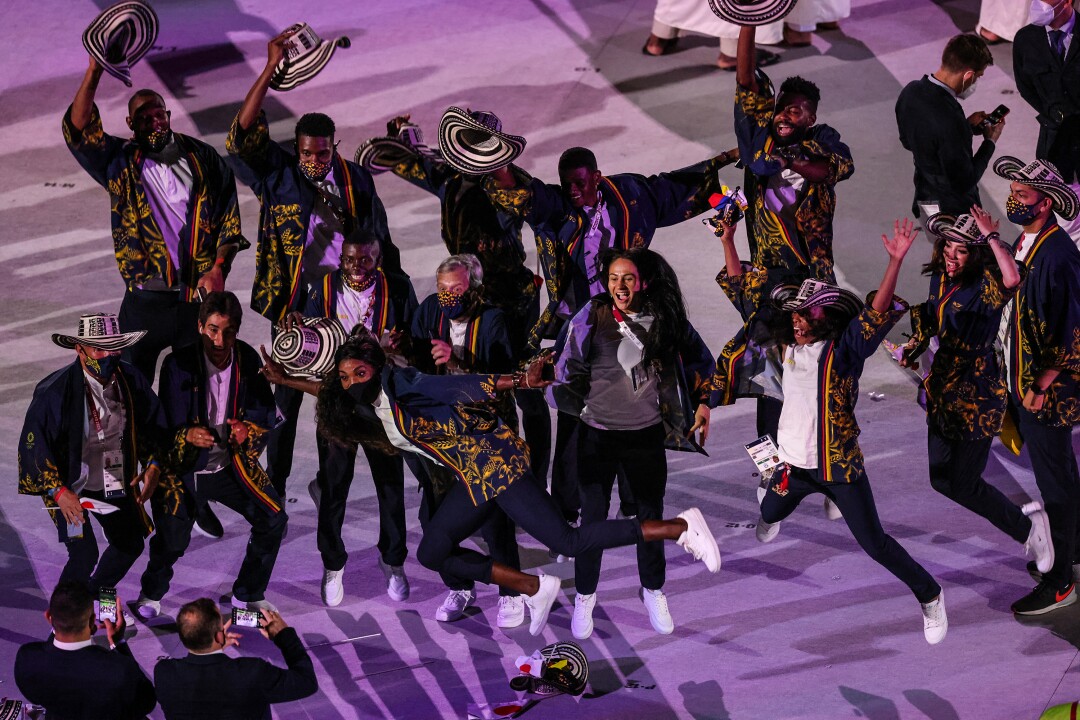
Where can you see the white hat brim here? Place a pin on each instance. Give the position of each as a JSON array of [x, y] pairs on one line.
[[381, 154], [142, 24], [460, 139], [751, 12]]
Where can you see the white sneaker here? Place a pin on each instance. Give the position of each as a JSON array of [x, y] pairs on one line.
[[454, 606], [935, 621], [332, 591], [698, 541], [1038, 544], [766, 532], [511, 611], [831, 511], [397, 585], [659, 615], [147, 608], [581, 624], [540, 604], [260, 605]]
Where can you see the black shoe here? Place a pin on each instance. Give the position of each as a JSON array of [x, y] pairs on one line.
[[207, 523], [1033, 571], [1044, 598]]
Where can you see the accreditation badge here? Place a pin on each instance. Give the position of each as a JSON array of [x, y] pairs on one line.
[[113, 474]]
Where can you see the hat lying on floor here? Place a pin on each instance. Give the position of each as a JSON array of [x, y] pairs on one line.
[[120, 36]]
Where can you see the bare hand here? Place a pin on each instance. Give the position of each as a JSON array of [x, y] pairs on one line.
[[238, 432], [213, 280], [701, 422], [291, 321], [904, 232], [993, 132], [1034, 403], [200, 437], [275, 49], [114, 629], [274, 624], [904, 362], [149, 478], [231, 639], [987, 224], [393, 126], [441, 351], [71, 508], [272, 370], [975, 119], [534, 374], [392, 341]]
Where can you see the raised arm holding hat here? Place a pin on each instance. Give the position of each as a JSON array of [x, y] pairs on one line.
[[89, 428], [1042, 358], [187, 240]]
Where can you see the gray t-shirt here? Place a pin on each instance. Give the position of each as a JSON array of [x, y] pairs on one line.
[[623, 392]]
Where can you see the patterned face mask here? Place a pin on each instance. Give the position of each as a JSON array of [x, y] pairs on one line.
[[314, 170], [105, 367], [1018, 212], [155, 140], [452, 303]]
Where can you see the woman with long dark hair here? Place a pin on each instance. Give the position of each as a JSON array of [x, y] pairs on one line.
[[973, 276], [440, 416], [636, 373]]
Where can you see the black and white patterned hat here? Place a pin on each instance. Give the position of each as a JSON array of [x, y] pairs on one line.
[[380, 154], [473, 141], [1044, 177], [120, 36], [816, 293], [308, 351], [960, 229], [751, 12], [563, 669], [101, 331], [306, 54]]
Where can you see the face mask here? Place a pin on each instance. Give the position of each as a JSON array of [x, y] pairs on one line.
[[154, 141], [364, 393], [452, 304], [105, 367], [1042, 14], [1018, 212], [314, 170], [969, 92]]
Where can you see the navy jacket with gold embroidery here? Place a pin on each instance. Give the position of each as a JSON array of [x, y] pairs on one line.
[[393, 303], [51, 443]]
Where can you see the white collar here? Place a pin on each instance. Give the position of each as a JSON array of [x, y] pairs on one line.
[[941, 84], [61, 645]]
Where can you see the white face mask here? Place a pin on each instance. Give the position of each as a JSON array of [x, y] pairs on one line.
[[970, 88], [1042, 14]]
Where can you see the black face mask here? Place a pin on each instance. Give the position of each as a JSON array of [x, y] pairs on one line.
[[104, 368], [364, 393]]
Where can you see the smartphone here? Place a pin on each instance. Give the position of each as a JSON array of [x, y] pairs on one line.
[[995, 117], [201, 293], [107, 604], [245, 618]]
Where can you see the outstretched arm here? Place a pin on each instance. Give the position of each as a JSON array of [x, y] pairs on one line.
[[904, 232], [82, 107], [249, 111], [988, 227], [746, 59]]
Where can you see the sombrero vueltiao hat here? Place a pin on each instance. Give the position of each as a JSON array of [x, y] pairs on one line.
[[120, 36], [11, 710], [306, 54], [960, 229], [557, 668], [474, 143], [308, 351], [751, 12], [101, 331], [815, 293], [380, 154], [1044, 177]]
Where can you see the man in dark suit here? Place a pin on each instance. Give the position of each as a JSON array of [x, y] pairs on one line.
[[933, 128], [1047, 70], [208, 683], [73, 678]]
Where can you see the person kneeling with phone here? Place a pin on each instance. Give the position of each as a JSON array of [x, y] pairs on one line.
[[208, 683], [70, 675]]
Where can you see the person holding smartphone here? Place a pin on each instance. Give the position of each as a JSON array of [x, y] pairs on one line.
[[208, 683], [73, 677], [636, 373]]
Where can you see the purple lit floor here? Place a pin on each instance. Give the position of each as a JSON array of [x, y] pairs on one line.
[[806, 627]]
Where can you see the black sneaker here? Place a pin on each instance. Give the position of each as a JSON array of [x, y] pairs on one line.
[[1044, 598], [207, 523]]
